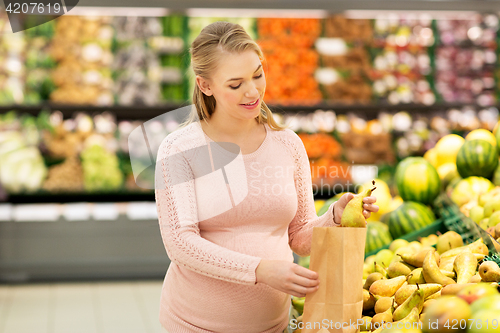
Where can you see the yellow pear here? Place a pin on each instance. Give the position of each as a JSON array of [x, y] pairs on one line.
[[416, 276], [448, 241], [465, 265], [453, 289], [475, 279], [353, 217], [405, 291], [417, 259], [387, 287], [399, 268], [416, 299], [489, 271], [446, 264], [375, 276], [431, 271], [368, 300], [383, 304]]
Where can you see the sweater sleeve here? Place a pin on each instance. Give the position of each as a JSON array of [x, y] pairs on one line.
[[178, 220], [301, 227]]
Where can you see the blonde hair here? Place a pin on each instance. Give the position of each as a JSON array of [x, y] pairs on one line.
[[219, 37]]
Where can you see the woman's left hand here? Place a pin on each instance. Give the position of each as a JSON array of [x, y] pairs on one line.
[[368, 206]]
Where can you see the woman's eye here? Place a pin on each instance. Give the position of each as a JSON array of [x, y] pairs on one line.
[[257, 77]]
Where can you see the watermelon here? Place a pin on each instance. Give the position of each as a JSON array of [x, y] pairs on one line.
[[477, 158], [417, 180], [496, 176], [409, 217], [496, 133], [377, 235]]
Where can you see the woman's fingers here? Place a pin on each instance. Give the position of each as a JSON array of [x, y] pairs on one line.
[[366, 214], [370, 200], [305, 272], [371, 208], [304, 290], [304, 282]]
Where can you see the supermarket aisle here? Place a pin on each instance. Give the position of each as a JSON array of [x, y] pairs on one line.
[[100, 307]]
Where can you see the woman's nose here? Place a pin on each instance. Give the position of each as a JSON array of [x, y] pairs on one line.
[[252, 92]]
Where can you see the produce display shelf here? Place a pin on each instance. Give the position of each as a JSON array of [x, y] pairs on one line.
[[141, 112], [438, 226], [456, 221], [450, 218]]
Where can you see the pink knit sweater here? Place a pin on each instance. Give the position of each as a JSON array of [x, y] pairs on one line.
[[210, 285]]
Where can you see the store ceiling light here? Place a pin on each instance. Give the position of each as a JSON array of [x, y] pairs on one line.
[[251, 12], [119, 11]]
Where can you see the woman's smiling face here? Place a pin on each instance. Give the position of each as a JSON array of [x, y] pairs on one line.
[[238, 80]]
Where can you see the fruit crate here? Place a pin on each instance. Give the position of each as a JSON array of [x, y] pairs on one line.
[[456, 221], [434, 228]]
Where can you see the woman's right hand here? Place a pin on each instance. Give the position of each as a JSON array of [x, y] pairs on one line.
[[287, 277]]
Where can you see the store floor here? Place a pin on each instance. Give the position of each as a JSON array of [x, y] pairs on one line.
[[100, 307]]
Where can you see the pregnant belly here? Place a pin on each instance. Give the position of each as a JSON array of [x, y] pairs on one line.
[[218, 305]]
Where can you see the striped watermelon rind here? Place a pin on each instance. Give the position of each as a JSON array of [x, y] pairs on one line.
[[417, 180], [496, 133], [409, 217], [377, 236], [477, 158]]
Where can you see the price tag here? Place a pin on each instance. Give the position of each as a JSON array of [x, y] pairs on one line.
[[76, 211], [142, 211], [5, 212], [36, 212], [105, 211]]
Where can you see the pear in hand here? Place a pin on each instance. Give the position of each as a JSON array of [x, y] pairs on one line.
[[352, 216]]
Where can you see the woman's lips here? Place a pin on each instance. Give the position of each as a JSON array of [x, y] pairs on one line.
[[251, 106]]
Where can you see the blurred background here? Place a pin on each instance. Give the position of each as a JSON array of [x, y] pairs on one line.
[[365, 84]]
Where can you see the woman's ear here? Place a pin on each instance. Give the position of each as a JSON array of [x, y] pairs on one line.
[[204, 85]]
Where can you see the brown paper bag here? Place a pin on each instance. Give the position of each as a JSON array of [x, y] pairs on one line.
[[337, 255]]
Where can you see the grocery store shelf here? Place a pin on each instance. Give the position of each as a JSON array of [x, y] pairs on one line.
[[143, 112], [85, 250], [80, 197], [331, 6], [44, 197]]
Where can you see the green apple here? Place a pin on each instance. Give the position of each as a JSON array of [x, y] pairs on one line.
[[491, 302], [484, 321], [398, 243], [384, 257], [491, 206], [476, 213]]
